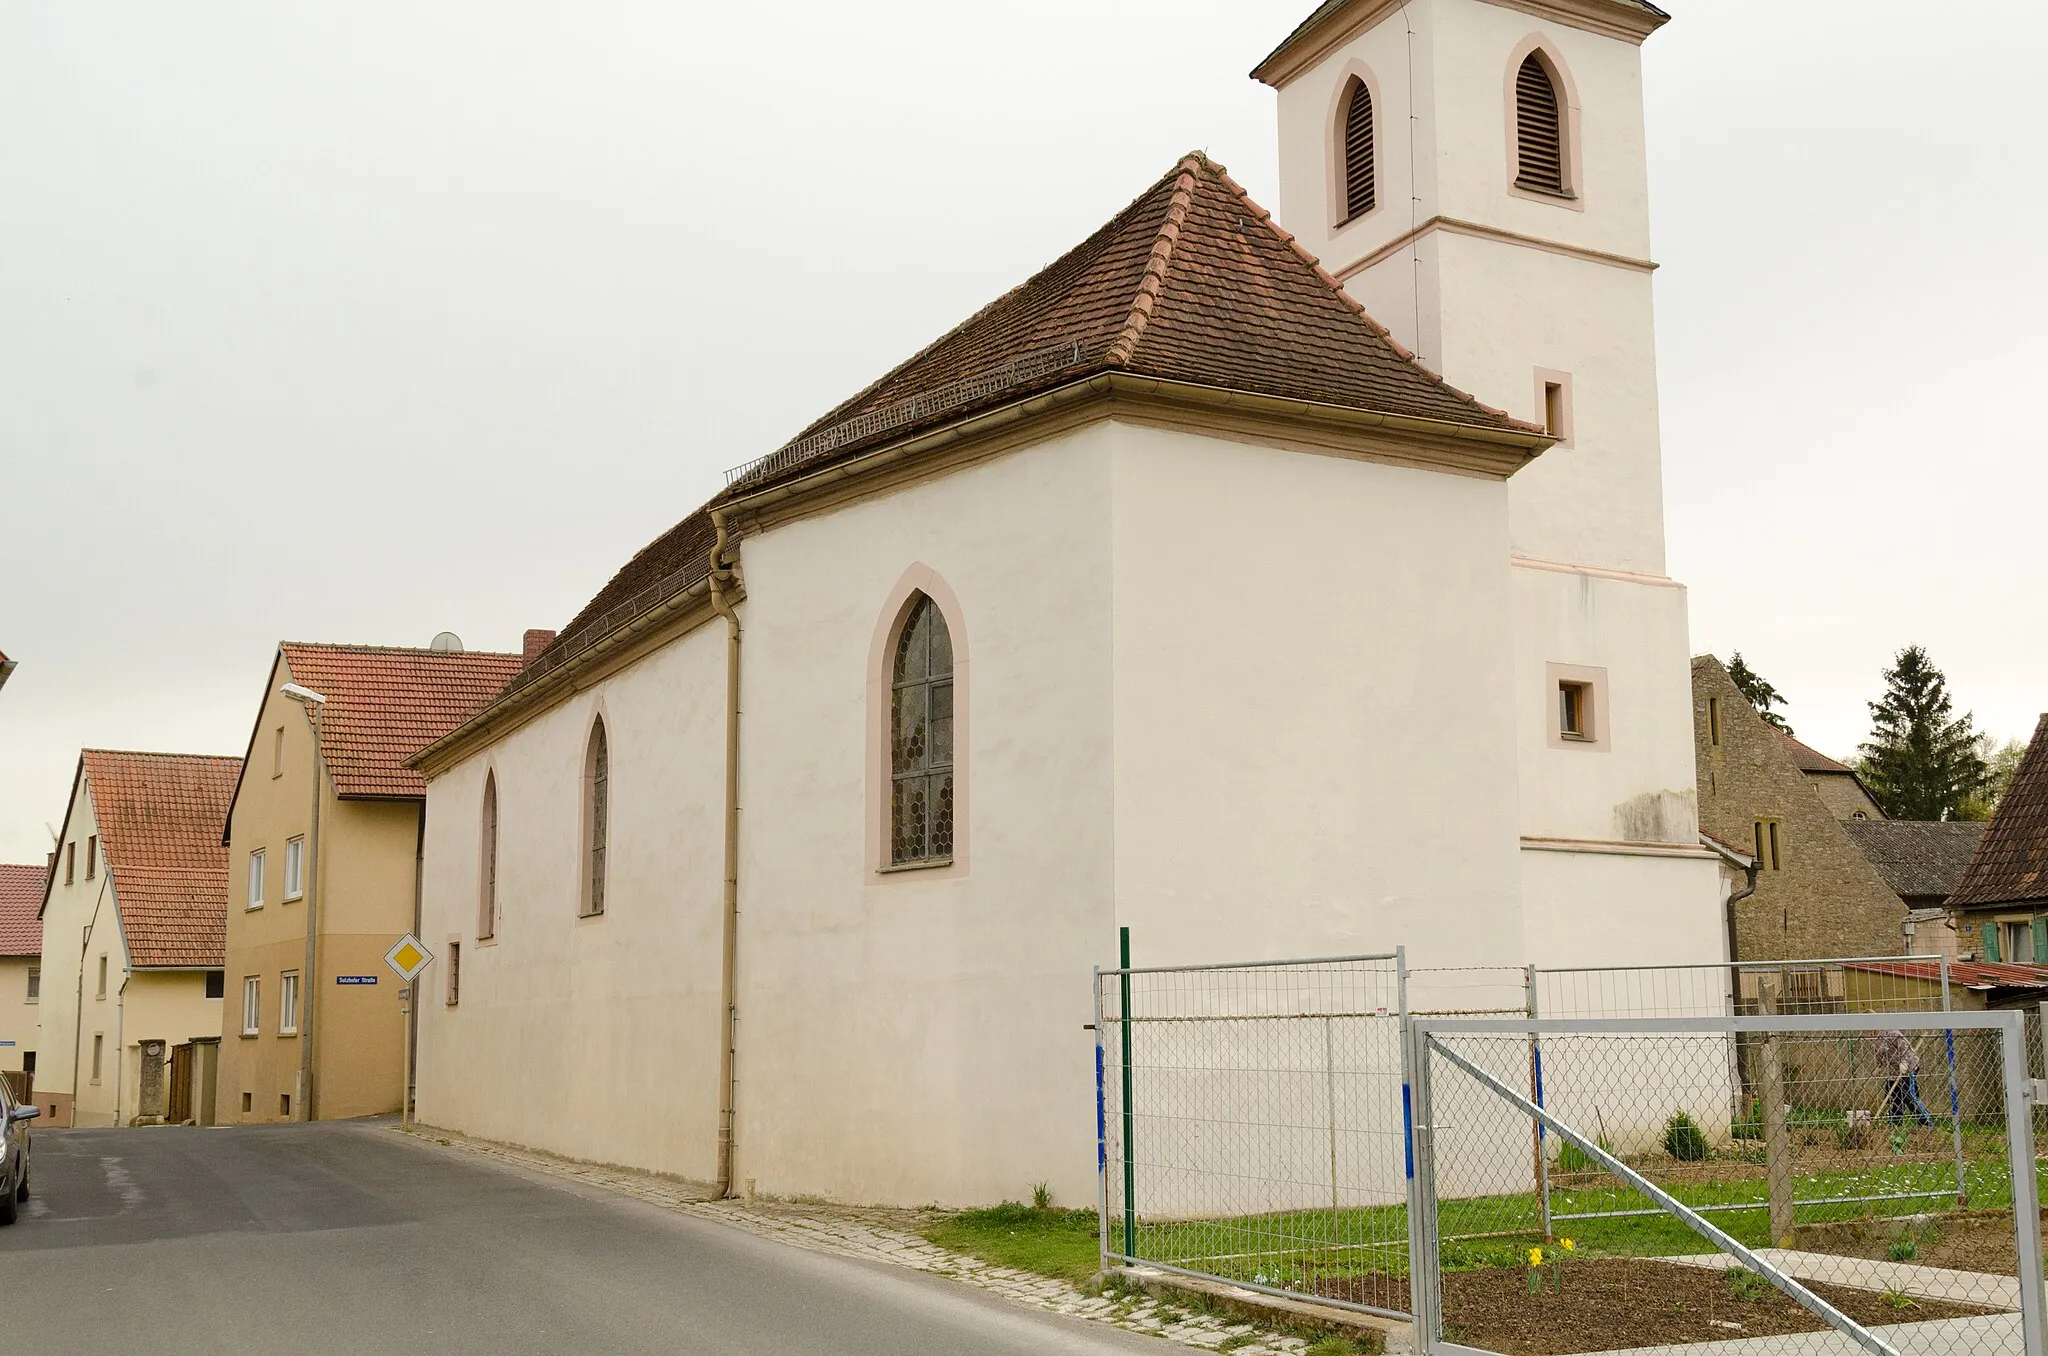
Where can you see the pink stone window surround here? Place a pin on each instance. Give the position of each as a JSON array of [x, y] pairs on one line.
[[917, 819]]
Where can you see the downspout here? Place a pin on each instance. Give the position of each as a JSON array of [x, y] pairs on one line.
[[412, 1009], [121, 1038], [721, 578]]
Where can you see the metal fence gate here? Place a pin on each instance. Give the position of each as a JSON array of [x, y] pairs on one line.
[[1250, 1128], [1675, 1212]]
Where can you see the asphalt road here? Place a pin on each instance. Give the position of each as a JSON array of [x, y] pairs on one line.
[[352, 1238]]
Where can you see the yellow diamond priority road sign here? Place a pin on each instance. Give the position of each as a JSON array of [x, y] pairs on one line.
[[408, 958]]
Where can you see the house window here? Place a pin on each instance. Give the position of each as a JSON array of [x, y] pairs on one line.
[[288, 1004], [216, 984], [102, 993], [35, 983], [255, 880], [597, 815], [454, 972], [1575, 710], [921, 739], [284, 1105], [1361, 190], [248, 1102], [2018, 942], [92, 856], [70, 862], [252, 1006], [1766, 834], [487, 864], [294, 868], [1714, 724], [277, 753], [98, 1049], [1539, 129]]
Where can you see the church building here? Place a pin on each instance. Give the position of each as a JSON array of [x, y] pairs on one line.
[[1270, 590]]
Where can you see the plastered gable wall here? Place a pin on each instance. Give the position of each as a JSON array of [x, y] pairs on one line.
[[1827, 901], [1314, 732], [595, 1038], [67, 913], [266, 942], [919, 1036], [103, 1015]]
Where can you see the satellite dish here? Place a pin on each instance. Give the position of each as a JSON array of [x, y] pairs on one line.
[[447, 642]]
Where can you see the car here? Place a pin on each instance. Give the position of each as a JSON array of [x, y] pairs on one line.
[[14, 1119]]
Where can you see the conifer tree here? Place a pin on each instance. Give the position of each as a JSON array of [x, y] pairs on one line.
[[1921, 760], [1757, 690]]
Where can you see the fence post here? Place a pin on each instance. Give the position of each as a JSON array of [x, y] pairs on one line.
[[1536, 1093], [1123, 953], [2026, 1199], [1101, 1136], [1955, 1100], [1777, 1139], [1419, 1255], [1330, 1098]]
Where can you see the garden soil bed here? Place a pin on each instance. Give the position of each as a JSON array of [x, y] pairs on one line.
[[1958, 1241], [1613, 1303]]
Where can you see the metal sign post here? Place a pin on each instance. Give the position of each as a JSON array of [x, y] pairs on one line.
[[407, 959]]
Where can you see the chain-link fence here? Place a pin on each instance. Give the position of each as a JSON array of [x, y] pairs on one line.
[[1250, 1125], [1690, 1226]]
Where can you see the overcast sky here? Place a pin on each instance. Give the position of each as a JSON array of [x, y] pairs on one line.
[[361, 322]]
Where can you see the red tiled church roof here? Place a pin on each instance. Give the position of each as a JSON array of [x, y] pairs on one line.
[[1193, 283], [21, 903], [2011, 861], [1809, 759], [386, 703], [159, 818]]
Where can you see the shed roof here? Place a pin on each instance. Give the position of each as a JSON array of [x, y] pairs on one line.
[[1918, 858], [159, 818], [2011, 861]]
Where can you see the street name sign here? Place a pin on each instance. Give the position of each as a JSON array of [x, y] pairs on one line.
[[355, 979], [408, 958]]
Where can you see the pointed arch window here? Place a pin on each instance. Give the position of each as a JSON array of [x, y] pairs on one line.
[[921, 738], [487, 866], [1539, 129], [596, 817], [1361, 184]]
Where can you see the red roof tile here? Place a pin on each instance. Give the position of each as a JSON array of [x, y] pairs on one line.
[[384, 704], [2011, 861], [1809, 759], [1192, 282], [1975, 974], [159, 818], [21, 903]]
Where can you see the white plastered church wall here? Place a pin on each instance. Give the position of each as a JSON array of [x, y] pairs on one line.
[[918, 1035], [596, 1038]]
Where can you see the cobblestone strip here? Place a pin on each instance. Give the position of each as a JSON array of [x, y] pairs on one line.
[[852, 1237]]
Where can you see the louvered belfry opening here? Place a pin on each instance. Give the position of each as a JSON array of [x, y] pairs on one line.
[[1539, 130], [1360, 186]]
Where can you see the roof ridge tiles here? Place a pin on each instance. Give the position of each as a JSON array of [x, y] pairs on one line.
[[1156, 264], [349, 648]]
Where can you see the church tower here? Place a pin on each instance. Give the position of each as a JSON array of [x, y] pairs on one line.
[[1473, 172]]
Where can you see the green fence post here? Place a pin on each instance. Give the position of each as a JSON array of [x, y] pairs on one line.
[[1123, 947]]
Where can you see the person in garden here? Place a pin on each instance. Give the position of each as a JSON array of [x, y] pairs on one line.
[[1900, 1064]]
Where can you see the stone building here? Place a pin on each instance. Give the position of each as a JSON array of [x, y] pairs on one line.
[[1817, 895]]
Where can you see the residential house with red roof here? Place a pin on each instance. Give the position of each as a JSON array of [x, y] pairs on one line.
[[1267, 591], [323, 848], [2001, 904], [21, 969], [133, 921]]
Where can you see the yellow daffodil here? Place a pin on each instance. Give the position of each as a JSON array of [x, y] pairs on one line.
[[1535, 1257], [1566, 1244]]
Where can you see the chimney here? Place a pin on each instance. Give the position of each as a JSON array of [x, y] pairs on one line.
[[536, 641]]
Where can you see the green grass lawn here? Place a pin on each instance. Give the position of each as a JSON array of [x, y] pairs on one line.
[[1050, 1242]]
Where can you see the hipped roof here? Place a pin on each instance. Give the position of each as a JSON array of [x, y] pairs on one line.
[[1192, 283]]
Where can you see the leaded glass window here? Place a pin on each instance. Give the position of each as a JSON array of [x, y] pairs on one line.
[[600, 806], [921, 739]]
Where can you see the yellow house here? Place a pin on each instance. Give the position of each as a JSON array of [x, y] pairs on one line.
[[133, 920], [332, 835], [21, 955]]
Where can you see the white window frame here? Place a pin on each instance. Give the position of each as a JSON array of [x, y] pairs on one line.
[[252, 1005], [294, 869], [255, 880], [2023, 953], [288, 1003]]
